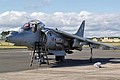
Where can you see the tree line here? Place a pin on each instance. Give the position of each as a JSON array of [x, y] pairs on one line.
[[4, 33]]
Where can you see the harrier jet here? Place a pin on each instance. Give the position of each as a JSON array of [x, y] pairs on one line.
[[45, 41]]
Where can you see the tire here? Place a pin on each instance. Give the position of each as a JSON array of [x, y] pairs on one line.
[[59, 58]]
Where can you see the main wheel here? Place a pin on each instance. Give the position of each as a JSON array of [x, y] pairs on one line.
[[59, 58]]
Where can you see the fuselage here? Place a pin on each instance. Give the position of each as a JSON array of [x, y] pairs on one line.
[[34, 31]]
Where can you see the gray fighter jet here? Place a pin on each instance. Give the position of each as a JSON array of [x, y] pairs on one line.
[[45, 41]]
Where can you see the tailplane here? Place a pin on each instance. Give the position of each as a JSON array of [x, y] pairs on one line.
[[80, 31]]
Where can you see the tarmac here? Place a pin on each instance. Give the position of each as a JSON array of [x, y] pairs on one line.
[[15, 65]]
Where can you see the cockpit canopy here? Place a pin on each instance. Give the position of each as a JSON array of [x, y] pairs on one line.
[[33, 25]]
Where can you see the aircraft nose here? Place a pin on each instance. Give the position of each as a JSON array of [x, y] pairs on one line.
[[8, 38], [15, 37], [11, 37]]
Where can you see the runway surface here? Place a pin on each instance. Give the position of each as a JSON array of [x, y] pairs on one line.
[[14, 64]]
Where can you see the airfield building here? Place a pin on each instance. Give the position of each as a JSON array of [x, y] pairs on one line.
[[107, 39]]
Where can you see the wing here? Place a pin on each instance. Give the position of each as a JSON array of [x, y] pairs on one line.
[[82, 39]]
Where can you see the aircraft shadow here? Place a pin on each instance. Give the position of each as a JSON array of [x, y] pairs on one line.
[[66, 63], [78, 62]]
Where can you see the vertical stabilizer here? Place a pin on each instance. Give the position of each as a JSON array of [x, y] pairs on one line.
[[80, 31]]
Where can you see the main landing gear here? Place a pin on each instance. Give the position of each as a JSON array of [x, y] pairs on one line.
[[59, 58]]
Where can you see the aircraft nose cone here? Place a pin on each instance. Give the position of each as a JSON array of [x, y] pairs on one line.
[[11, 37], [8, 39]]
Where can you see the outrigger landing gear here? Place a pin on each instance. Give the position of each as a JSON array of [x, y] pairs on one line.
[[91, 50]]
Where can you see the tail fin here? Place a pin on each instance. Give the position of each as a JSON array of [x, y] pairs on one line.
[[80, 31]]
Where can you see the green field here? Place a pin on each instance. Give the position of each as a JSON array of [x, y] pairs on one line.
[[4, 45], [113, 43]]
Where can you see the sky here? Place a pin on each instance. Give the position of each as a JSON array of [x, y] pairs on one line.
[[102, 16]]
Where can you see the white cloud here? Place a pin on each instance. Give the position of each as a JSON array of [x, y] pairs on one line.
[[96, 24]]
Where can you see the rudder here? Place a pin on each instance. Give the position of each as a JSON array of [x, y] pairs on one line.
[[80, 31]]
